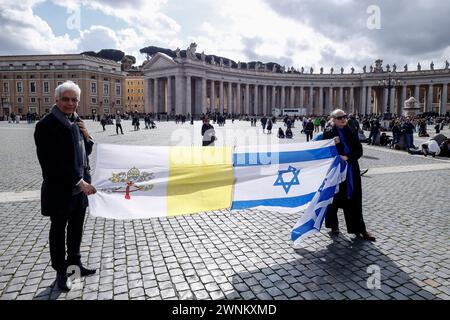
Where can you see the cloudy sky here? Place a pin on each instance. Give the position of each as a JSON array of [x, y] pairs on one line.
[[308, 33]]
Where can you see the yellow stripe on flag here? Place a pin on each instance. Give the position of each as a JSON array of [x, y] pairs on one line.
[[200, 179]]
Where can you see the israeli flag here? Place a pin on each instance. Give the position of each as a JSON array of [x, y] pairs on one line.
[[289, 178], [283, 177], [311, 221]]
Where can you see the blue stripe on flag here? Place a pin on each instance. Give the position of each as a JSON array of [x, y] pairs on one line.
[[277, 202], [298, 232], [292, 202], [267, 158]]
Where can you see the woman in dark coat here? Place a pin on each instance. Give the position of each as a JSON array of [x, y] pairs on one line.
[[349, 196], [208, 133]]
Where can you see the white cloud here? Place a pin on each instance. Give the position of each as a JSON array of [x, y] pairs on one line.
[[22, 32]]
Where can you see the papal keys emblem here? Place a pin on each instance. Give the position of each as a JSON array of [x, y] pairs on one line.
[[132, 181]]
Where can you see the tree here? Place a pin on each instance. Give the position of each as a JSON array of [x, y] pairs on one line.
[[111, 54], [129, 59]]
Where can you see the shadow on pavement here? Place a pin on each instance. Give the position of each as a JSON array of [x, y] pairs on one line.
[[338, 271]]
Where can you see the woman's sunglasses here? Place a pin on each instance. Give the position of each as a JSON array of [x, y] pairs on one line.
[[341, 117]]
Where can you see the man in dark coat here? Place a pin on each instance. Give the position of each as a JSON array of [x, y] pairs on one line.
[[63, 145], [349, 196]]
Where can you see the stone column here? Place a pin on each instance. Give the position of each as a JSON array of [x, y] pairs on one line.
[[265, 111], [310, 100], [155, 95], [430, 98], [230, 98], [403, 99], [392, 93], [444, 98], [247, 98], [341, 98], [255, 100], [351, 101], [147, 90], [369, 106], [221, 97], [204, 96], [188, 96], [178, 95], [274, 97], [302, 97], [385, 98], [212, 97], [169, 95], [283, 97], [292, 102], [320, 109], [363, 109], [330, 106], [238, 98], [417, 92]]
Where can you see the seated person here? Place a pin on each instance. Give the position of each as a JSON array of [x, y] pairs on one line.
[[385, 139], [431, 148], [280, 133], [289, 134]]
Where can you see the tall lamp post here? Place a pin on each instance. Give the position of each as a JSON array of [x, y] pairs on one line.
[[389, 83]]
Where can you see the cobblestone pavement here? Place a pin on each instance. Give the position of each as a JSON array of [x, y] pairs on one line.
[[243, 255]]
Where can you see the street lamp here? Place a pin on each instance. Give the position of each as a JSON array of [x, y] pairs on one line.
[[389, 83]]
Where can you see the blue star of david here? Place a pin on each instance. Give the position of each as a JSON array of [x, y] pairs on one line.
[[287, 185]]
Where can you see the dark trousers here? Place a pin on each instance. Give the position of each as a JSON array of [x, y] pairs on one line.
[[353, 218], [73, 219], [309, 135], [117, 128]]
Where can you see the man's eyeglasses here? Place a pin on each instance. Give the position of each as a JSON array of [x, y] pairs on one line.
[[67, 99], [342, 117]]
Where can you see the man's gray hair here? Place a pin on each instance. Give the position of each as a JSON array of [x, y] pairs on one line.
[[335, 113], [67, 86]]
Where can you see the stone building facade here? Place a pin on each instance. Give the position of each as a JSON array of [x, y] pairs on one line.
[[28, 82], [193, 85]]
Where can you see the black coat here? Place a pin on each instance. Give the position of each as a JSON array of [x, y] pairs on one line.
[[356, 152], [56, 155]]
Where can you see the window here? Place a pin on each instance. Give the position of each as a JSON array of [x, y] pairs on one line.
[[6, 87], [94, 100], [118, 102], [105, 79], [32, 87], [19, 100], [118, 90], [32, 76], [33, 100], [93, 77], [59, 76], [93, 87], [45, 76], [46, 87], [59, 83], [106, 110], [46, 100], [106, 101], [19, 87], [106, 89]]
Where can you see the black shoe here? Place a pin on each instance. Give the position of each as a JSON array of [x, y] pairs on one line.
[[85, 272], [368, 237], [63, 282], [335, 231]]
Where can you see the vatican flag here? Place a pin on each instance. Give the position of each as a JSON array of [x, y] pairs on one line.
[[138, 182]]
